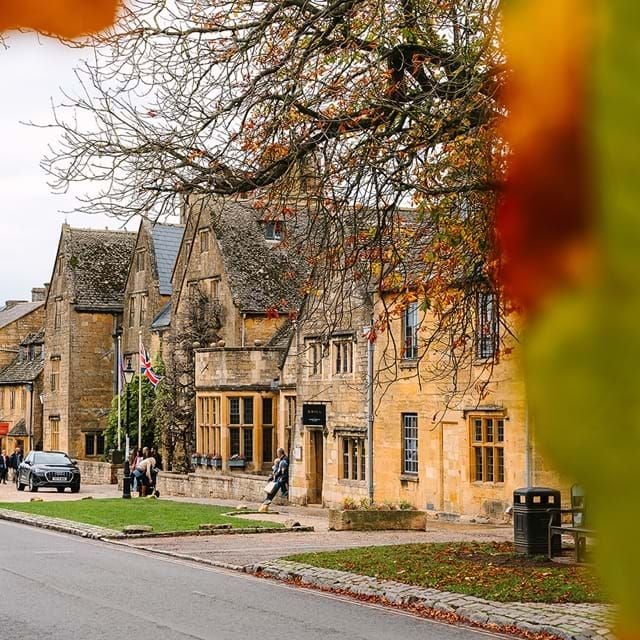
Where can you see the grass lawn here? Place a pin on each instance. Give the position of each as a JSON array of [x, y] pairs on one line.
[[486, 570], [116, 513]]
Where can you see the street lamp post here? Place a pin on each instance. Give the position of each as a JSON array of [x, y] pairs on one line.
[[126, 472]]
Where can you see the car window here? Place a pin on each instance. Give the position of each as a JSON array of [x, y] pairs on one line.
[[44, 457]]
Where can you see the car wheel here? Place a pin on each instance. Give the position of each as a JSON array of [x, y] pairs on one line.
[[19, 486], [60, 489], [75, 488], [32, 486]]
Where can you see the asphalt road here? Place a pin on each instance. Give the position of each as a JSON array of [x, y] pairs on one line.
[[57, 587]]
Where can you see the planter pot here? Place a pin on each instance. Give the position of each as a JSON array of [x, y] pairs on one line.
[[236, 464], [194, 461], [340, 520], [216, 463]]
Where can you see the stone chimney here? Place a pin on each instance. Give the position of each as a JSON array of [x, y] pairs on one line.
[[38, 294]]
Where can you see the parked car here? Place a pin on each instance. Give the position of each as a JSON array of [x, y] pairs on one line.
[[48, 469]]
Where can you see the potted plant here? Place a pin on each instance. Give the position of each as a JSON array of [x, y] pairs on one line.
[[236, 462], [216, 461]]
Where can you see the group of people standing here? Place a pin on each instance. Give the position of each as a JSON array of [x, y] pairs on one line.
[[144, 464], [10, 462]]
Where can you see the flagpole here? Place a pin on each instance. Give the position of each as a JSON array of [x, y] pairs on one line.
[[119, 365], [140, 390]]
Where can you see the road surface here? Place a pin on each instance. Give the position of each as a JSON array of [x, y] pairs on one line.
[[58, 587]]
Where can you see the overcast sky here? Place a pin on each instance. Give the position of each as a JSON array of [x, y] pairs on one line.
[[32, 70]]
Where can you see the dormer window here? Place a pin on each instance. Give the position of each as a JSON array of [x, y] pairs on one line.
[[273, 229]]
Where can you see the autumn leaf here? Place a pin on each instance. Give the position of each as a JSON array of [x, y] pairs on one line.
[[64, 18]]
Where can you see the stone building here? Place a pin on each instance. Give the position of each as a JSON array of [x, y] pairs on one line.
[[19, 318], [246, 279], [83, 311], [21, 385], [148, 288]]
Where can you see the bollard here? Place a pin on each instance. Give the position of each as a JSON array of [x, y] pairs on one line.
[[126, 480]]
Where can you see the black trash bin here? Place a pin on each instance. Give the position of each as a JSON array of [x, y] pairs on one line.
[[531, 519]]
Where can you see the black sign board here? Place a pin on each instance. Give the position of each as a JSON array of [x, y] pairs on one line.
[[314, 415]]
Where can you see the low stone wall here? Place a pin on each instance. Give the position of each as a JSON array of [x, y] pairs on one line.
[[97, 472], [236, 486], [354, 520]]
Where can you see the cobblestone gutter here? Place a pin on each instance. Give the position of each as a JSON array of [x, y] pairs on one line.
[[566, 621]]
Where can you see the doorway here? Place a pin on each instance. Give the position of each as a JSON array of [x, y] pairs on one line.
[[316, 466]]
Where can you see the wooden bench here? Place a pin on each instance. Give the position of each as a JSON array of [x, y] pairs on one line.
[[576, 529]]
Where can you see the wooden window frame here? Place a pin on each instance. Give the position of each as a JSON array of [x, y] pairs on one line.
[[140, 260], [205, 239], [353, 458], [487, 437], [54, 433]]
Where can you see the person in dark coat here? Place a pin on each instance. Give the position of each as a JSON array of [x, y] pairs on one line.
[[4, 462], [16, 460]]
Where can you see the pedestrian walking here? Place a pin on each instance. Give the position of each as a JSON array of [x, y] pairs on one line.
[[16, 460]]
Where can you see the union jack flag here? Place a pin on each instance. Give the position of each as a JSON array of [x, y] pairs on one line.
[[146, 368]]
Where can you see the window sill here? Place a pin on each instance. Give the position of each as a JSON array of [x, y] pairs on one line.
[[405, 477], [409, 363], [487, 483]]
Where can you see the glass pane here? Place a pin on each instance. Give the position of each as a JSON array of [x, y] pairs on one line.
[[267, 411], [345, 458], [88, 445], [248, 443], [478, 463], [267, 444], [500, 430], [354, 459], [489, 430], [234, 410], [477, 430], [247, 410], [234, 441], [500, 469], [363, 458], [410, 442], [489, 454]]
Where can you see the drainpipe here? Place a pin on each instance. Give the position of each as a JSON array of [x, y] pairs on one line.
[[527, 454], [370, 344]]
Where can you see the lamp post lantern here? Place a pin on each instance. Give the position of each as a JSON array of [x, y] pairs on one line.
[[128, 373]]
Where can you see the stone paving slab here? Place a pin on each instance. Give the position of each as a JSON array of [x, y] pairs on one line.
[[566, 621]]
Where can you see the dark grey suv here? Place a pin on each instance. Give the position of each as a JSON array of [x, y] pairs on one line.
[[48, 469]]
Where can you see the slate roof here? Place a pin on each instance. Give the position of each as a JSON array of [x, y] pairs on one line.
[[21, 369], [19, 429], [98, 264], [163, 318], [262, 274], [7, 316], [166, 244]]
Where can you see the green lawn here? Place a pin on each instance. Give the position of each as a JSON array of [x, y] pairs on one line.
[[116, 513], [486, 570]]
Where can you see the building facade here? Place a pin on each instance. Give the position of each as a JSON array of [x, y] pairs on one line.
[[83, 312]]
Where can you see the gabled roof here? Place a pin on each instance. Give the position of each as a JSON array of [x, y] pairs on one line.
[[21, 369], [19, 429], [98, 263], [17, 311], [262, 274], [163, 318], [166, 244]]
